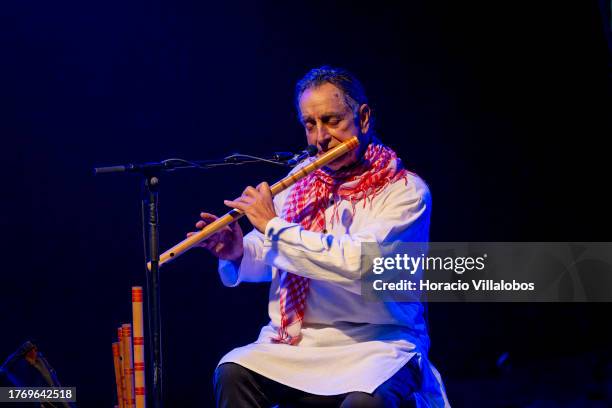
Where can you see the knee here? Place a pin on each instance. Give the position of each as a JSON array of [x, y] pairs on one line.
[[227, 375], [362, 400]]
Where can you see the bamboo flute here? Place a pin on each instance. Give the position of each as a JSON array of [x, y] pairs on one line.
[[235, 214]]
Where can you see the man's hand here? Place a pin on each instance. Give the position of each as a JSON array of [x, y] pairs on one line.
[[257, 205], [224, 244]]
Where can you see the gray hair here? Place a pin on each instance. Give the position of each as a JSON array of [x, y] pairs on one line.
[[354, 93]]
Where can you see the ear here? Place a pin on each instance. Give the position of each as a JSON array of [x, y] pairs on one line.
[[364, 118]]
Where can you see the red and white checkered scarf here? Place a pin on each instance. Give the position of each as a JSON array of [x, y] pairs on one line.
[[306, 206]]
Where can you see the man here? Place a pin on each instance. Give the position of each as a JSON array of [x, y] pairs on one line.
[[325, 345]]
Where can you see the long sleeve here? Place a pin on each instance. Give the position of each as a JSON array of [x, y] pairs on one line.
[[400, 213], [251, 268]]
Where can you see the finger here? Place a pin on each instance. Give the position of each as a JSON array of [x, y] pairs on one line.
[[236, 204], [236, 231], [249, 192], [219, 247], [191, 233], [208, 216], [225, 230], [211, 242], [201, 224], [246, 200], [264, 190]]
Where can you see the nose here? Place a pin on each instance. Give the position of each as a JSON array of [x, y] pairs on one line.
[[323, 137]]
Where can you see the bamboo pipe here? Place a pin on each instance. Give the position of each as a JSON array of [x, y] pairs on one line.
[[122, 359], [235, 214], [117, 364], [139, 361], [128, 365]]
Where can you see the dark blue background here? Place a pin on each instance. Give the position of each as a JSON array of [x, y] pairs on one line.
[[502, 107]]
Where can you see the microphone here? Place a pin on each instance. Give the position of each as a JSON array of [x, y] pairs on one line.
[[285, 158], [310, 151], [282, 156]]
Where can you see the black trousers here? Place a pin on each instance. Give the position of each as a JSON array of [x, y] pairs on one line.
[[238, 387]]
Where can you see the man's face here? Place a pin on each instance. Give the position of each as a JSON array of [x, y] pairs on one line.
[[328, 121]]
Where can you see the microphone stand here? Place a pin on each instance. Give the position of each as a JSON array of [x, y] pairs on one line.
[[150, 201], [151, 180]]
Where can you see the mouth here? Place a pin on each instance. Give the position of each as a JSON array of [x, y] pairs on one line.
[[338, 160], [322, 152]]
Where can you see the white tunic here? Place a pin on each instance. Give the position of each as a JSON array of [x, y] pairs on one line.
[[348, 344]]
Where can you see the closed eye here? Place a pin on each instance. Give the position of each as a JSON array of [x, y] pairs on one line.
[[331, 120]]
